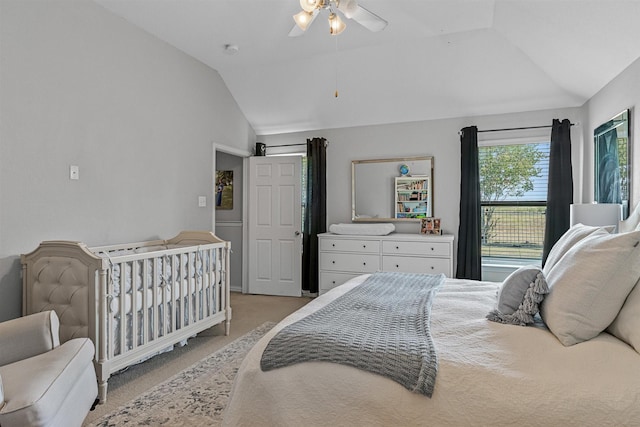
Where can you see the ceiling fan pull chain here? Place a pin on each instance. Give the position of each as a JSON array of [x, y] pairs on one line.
[[336, 93]]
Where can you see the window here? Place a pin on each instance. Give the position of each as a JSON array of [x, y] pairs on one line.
[[513, 194]]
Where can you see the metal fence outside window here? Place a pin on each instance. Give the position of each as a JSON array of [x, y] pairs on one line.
[[513, 231]]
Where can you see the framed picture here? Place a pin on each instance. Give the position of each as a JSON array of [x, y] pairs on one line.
[[430, 226], [612, 166], [224, 190]]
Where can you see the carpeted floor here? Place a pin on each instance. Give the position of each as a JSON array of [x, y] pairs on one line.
[[249, 312], [196, 396]]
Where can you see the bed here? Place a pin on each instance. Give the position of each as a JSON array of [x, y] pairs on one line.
[[488, 373], [132, 300]]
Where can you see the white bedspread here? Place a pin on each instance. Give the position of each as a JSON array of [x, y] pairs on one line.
[[489, 374]]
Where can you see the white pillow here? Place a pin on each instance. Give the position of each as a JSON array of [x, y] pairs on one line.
[[572, 236], [627, 325], [632, 222], [589, 285]]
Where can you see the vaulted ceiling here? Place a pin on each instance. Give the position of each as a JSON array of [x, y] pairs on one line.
[[435, 59]]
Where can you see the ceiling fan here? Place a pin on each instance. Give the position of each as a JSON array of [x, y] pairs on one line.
[[349, 8]]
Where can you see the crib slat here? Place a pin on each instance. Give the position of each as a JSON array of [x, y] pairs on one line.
[[218, 296], [134, 330], [144, 333], [209, 288], [123, 307], [191, 288], [163, 315], [153, 323], [174, 274]]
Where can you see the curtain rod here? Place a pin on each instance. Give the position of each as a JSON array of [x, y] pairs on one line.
[[521, 128], [291, 145], [286, 145]]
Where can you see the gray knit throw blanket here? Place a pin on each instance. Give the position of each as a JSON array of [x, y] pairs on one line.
[[381, 326]]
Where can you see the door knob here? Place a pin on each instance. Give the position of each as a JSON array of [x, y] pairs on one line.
[[297, 233]]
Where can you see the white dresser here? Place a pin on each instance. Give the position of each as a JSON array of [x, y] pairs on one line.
[[343, 257]]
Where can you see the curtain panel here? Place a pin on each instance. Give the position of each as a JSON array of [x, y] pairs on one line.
[[315, 218], [469, 259], [560, 185]]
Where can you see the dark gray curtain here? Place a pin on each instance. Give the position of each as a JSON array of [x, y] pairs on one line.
[[315, 218], [560, 190], [469, 234]]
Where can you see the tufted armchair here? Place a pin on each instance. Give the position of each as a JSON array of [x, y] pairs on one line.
[[43, 383]]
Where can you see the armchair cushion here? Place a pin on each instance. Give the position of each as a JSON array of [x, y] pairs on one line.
[[43, 383], [28, 336], [41, 389]]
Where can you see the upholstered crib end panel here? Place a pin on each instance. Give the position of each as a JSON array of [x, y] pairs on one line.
[[193, 238], [61, 284]]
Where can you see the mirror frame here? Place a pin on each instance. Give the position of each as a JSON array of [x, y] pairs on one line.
[[398, 160], [619, 176]]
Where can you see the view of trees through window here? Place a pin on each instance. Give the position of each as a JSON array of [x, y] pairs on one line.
[[513, 191]]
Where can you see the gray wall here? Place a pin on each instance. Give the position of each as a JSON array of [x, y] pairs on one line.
[[621, 93], [437, 138], [80, 86]]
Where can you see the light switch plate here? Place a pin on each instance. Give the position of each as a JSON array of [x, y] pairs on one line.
[[74, 172], [202, 201]]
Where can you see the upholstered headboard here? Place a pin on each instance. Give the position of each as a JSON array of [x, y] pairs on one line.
[[632, 222]]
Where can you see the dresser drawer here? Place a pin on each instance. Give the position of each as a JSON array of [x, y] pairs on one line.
[[348, 245], [416, 264], [357, 263], [416, 248], [329, 281]]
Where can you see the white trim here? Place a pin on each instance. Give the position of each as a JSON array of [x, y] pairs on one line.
[[229, 224], [231, 150], [514, 141], [520, 136], [245, 154]]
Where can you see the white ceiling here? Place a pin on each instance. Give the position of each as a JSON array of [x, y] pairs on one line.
[[436, 58]]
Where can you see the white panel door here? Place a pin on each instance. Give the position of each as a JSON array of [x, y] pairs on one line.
[[275, 226]]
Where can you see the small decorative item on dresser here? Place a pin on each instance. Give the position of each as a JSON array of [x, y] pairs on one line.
[[430, 226]]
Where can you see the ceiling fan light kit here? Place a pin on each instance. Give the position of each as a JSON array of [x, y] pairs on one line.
[[349, 8], [303, 19], [310, 5], [336, 25]]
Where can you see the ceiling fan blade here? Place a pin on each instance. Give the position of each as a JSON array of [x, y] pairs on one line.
[[296, 31], [368, 19]]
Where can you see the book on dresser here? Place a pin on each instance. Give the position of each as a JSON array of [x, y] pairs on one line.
[[344, 256]]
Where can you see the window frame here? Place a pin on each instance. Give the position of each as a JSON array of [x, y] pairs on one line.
[[533, 136]]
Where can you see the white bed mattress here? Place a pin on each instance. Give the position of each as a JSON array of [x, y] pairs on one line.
[[489, 374]]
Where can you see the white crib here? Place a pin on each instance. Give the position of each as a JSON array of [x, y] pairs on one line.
[[133, 300]]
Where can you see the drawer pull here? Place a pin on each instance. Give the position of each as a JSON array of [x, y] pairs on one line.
[[333, 244], [397, 266], [364, 263], [432, 267], [431, 248], [333, 262], [333, 282], [397, 247], [364, 246]]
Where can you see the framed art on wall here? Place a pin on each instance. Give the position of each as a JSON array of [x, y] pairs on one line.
[[224, 190], [612, 142]]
